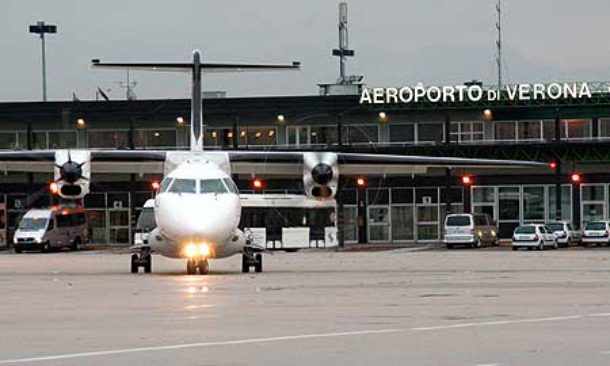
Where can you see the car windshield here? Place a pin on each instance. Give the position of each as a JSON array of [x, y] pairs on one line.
[[526, 230], [146, 220], [557, 226], [32, 224], [595, 226], [458, 221], [183, 186], [212, 186]]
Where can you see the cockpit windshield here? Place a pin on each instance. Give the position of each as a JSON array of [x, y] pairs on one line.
[[212, 186], [183, 186], [232, 187], [165, 183]]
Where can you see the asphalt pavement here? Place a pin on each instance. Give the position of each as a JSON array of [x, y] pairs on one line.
[[403, 307]]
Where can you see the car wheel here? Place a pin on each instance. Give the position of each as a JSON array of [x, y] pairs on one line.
[[449, 246], [515, 249]]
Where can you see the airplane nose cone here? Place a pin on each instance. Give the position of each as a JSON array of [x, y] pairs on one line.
[[194, 220]]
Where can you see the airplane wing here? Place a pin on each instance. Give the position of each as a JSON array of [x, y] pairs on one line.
[[253, 162], [102, 161], [271, 162]]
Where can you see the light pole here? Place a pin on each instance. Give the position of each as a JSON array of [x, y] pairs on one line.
[[42, 28]]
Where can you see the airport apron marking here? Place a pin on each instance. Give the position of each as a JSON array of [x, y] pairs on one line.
[[299, 337]]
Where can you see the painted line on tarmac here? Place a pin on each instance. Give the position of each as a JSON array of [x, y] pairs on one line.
[[296, 338]]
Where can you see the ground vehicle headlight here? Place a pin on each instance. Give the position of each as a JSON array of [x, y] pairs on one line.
[[15, 240], [493, 233], [39, 240]]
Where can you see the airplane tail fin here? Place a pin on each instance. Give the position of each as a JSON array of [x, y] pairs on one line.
[[196, 68]]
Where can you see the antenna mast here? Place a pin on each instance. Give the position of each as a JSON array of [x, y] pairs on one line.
[[499, 43], [343, 52]]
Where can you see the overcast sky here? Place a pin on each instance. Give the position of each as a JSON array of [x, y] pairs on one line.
[[397, 42]]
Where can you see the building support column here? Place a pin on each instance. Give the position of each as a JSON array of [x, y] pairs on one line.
[[362, 220], [558, 181], [340, 219], [448, 206], [576, 206]]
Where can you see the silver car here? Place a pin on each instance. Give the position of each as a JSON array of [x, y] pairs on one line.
[[473, 230], [534, 236], [565, 233]]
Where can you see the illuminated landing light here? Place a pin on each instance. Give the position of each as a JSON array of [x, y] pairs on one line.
[[195, 250], [191, 250], [80, 122], [204, 250], [466, 180], [180, 120], [281, 118], [53, 188]]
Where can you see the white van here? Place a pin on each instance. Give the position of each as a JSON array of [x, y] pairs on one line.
[[473, 230], [146, 223], [52, 228]]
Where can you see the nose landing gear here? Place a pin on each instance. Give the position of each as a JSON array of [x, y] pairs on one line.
[[194, 264]]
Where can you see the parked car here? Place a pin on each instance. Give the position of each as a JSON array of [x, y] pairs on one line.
[[565, 233], [473, 230], [52, 228], [596, 232], [533, 236]]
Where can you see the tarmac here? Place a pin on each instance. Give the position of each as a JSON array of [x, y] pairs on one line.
[[402, 307]]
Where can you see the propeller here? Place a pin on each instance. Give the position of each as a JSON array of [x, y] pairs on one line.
[[71, 171]]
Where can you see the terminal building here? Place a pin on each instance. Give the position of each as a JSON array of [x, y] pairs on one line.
[[572, 134]]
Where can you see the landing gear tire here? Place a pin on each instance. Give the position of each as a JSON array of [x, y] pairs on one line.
[[191, 267], [204, 267], [258, 267], [144, 260], [134, 264], [245, 264]]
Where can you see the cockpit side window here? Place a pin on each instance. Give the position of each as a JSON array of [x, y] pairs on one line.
[[211, 186], [183, 186], [165, 183], [231, 186]]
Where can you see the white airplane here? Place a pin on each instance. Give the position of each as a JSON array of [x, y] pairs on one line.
[[197, 208]]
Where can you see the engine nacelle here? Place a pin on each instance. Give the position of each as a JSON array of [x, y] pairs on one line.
[[72, 173], [320, 174]]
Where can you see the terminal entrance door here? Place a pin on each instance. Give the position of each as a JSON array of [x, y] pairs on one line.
[[379, 224], [118, 226]]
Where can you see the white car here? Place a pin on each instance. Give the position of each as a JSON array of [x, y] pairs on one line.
[[533, 236], [596, 232], [565, 233]]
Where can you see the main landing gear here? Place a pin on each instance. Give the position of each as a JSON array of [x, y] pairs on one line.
[[194, 264], [141, 258], [251, 259]]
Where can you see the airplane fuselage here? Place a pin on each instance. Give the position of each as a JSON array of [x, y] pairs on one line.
[[197, 205]]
